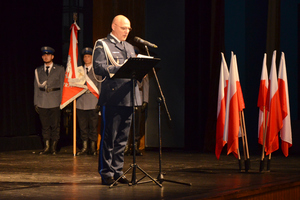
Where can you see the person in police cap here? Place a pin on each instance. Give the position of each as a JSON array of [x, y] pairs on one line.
[[48, 85], [87, 109]]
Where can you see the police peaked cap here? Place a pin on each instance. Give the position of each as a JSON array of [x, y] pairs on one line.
[[47, 50], [87, 50]]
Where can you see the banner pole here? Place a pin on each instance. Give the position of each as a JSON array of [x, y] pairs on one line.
[[265, 129], [245, 134], [74, 127], [243, 139]]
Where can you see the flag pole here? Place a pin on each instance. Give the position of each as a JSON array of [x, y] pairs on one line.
[[264, 140], [269, 163], [247, 164], [74, 108], [240, 162], [74, 127], [243, 140], [242, 132]]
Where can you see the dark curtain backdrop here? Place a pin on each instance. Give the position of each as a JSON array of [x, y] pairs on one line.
[[204, 42], [105, 10], [26, 27], [298, 48], [273, 32]]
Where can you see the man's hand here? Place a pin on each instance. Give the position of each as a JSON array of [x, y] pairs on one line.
[[36, 109], [97, 108], [144, 106]]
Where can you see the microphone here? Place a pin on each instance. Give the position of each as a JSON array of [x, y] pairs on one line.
[[139, 40]]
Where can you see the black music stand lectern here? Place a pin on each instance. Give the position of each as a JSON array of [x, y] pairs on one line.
[[135, 69]]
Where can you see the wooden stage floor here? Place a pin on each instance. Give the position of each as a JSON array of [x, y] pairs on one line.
[[27, 175]]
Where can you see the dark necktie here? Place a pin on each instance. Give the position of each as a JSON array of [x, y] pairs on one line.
[[87, 70], [123, 49], [47, 70]]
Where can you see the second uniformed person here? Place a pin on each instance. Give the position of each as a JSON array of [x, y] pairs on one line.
[[87, 110]]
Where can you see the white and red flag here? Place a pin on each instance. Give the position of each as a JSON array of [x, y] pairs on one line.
[[262, 98], [74, 76], [223, 85], [241, 101], [286, 131], [234, 104], [273, 106]]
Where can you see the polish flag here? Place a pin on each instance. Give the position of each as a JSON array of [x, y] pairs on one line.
[[262, 98], [241, 101], [234, 103], [223, 85], [74, 82], [273, 106], [286, 131]]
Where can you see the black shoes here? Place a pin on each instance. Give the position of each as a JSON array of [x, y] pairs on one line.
[[123, 180], [84, 149], [93, 150], [53, 147], [108, 181], [49, 149]]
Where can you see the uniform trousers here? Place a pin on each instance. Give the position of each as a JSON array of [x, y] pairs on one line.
[[115, 127], [50, 120], [88, 123]]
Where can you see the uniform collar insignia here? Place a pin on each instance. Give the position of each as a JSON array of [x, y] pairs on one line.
[[113, 40]]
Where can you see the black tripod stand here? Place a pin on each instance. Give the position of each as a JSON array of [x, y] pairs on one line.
[[160, 177], [131, 69]]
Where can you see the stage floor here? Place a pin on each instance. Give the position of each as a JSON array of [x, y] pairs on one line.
[[27, 175]]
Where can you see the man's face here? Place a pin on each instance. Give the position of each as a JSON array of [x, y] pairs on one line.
[[47, 58], [121, 29], [87, 59]]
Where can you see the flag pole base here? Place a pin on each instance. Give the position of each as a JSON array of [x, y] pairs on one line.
[[262, 166], [269, 165], [247, 165], [240, 165]]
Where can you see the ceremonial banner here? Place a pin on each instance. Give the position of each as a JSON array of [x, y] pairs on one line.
[[273, 106], [262, 98], [222, 95], [74, 76], [286, 131]]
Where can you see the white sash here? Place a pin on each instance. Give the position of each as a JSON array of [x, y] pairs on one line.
[[92, 87], [38, 81]]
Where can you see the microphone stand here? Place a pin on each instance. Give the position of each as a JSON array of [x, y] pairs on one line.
[[160, 91], [160, 177]]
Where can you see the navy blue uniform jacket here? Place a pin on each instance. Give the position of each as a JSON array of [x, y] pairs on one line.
[[114, 92]]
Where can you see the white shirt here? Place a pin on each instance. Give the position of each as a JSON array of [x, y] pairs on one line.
[[50, 67]]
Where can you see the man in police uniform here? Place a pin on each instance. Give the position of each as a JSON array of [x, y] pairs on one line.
[[48, 85], [87, 109], [115, 99]]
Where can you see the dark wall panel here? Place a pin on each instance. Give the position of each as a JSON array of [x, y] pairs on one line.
[[28, 27]]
